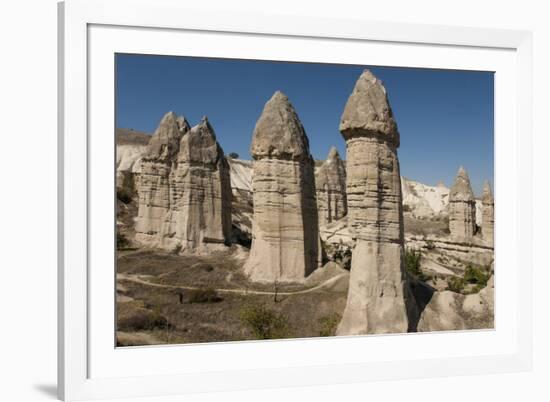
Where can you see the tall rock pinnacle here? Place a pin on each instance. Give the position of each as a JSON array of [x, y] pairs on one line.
[[153, 182], [330, 182], [285, 244], [488, 214], [462, 207], [378, 296], [184, 188]]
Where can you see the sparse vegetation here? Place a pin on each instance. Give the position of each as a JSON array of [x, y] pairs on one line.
[[121, 241], [328, 324], [412, 264], [233, 155], [476, 275], [123, 195], [455, 284], [430, 245], [134, 316], [406, 208], [342, 255], [264, 322], [206, 295], [473, 275]]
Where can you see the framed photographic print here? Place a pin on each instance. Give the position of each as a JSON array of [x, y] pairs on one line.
[[260, 201]]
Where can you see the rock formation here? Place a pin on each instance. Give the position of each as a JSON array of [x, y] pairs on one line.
[[462, 208], [285, 244], [488, 214], [184, 188], [378, 295], [448, 310], [330, 183]]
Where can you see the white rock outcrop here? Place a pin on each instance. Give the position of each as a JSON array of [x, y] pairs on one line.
[[378, 292], [330, 183], [184, 189], [285, 244], [462, 208]]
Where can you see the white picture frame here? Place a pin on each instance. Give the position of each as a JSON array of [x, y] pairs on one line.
[[90, 367]]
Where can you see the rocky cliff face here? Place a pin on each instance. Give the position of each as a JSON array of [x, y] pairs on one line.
[[330, 183], [184, 188], [285, 244], [488, 214], [377, 291], [462, 208]]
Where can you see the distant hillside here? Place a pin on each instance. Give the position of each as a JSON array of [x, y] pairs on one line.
[[128, 136]]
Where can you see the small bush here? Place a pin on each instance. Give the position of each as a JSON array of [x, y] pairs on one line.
[[206, 295], [476, 275], [233, 155], [412, 264], [406, 208], [456, 284], [263, 322], [123, 195], [141, 319], [328, 324], [343, 256], [430, 244], [121, 241]]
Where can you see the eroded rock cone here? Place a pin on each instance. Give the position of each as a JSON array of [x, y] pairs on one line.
[[462, 208], [184, 189], [488, 214], [200, 196], [285, 244], [379, 297], [330, 183], [153, 183]]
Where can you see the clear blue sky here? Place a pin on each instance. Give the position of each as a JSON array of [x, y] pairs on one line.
[[445, 117]]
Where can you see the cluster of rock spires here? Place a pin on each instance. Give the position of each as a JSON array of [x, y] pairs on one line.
[[185, 194], [184, 188], [330, 183], [285, 243], [462, 210], [378, 293]]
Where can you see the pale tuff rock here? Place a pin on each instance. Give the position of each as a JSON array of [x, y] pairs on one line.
[[184, 188], [454, 311], [200, 193], [488, 214], [285, 244], [424, 201], [330, 182], [462, 208], [378, 292], [154, 186]]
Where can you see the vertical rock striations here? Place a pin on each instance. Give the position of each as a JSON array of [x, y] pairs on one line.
[[184, 188], [378, 293], [462, 208], [285, 244], [330, 182], [488, 214], [153, 184]]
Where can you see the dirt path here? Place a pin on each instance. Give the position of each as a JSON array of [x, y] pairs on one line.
[[139, 279]]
